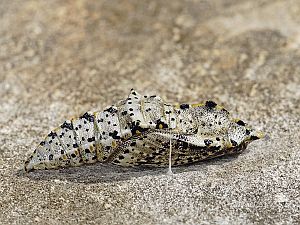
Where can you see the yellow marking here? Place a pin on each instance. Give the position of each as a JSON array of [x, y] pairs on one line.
[[113, 144], [76, 152], [64, 157], [197, 105], [91, 148], [260, 134], [160, 126], [219, 107], [138, 132]]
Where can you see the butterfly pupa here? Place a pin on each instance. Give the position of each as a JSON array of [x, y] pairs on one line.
[[143, 130]]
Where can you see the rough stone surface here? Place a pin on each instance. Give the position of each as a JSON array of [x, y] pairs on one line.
[[62, 58]]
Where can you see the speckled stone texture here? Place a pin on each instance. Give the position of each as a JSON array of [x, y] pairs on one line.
[[61, 58]]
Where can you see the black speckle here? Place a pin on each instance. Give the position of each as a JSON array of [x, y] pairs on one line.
[[100, 120], [217, 138], [133, 144], [123, 113], [75, 145], [88, 117], [87, 151], [67, 125], [208, 142], [241, 123], [42, 143], [134, 93], [73, 155], [247, 132], [184, 106], [172, 119], [126, 151], [121, 157], [234, 143], [130, 109], [62, 152], [114, 135], [51, 157], [111, 110], [52, 134], [131, 114], [254, 138], [159, 122], [210, 104], [91, 139]]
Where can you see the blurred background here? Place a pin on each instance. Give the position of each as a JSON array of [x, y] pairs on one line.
[[62, 58]]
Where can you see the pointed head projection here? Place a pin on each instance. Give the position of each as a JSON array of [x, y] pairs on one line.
[[240, 133], [221, 133]]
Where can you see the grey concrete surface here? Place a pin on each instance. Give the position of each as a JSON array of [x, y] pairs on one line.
[[61, 58]]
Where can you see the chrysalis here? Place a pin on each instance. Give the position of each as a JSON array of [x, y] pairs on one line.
[[139, 131]]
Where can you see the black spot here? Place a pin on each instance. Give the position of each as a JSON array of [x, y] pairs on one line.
[[114, 135], [42, 143], [73, 155], [75, 145], [148, 110], [108, 122], [241, 123], [247, 132], [133, 144], [134, 93], [51, 157], [159, 122], [152, 96], [172, 119], [88, 117], [94, 157], [129, 103], [184, 106], [131, 114], [252, 138], [87, 151], [52, 134], [83, 139], [134, 127], [208, 142], [126, 151], [217, 138], [123, 113], [62, 152], [111, 110], [100, 120], [91, 139], [234, 143], [130, 109], [67, 125], [210, 104], [121, 157]]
